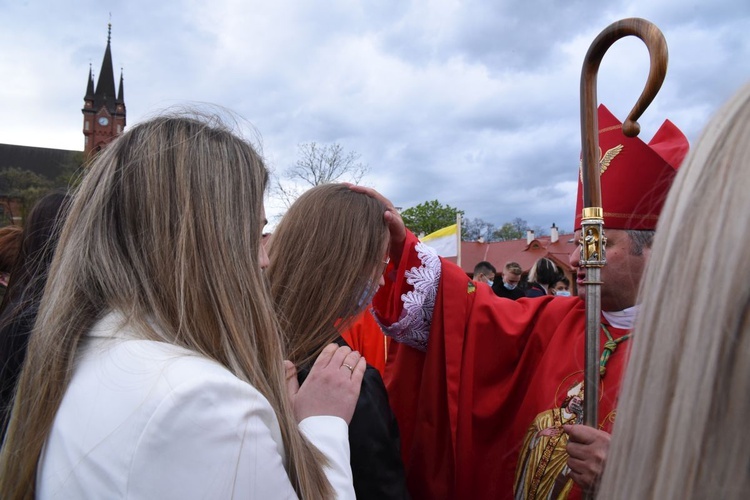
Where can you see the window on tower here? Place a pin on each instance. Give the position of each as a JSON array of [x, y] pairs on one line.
[[86, 125]]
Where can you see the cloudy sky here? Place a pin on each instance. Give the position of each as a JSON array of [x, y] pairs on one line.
[[474, 103]]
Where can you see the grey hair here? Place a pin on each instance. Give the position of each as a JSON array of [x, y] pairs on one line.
[[640, 239]]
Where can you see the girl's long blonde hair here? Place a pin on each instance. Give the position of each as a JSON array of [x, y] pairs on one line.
[[681, 429], [327, 255], [165, 228]]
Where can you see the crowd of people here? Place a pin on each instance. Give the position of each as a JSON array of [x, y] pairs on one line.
[[544, 278], [155, 344]]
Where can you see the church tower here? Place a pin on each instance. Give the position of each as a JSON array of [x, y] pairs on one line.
[[103, 110]]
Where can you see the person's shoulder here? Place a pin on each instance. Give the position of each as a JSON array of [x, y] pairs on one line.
[[372, 407], [535, 290], [566, 305], [155, 369], [550, 305], [153, 402], [373, 386], [180, 388], [372, 378], [372, 375], [203, 416], [172, 362]]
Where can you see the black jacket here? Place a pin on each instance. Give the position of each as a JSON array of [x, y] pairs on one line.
[[499, 288], [15, 329], [374, 441], [536, 290]]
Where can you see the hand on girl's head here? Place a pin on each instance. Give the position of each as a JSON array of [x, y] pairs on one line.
[[392, 218]]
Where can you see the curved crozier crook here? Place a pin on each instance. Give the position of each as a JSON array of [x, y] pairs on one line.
[[592, 216], [657, 49]]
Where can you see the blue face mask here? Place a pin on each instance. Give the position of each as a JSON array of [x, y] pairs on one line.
[[562, 293], [490, 282], [509, 286], [367, 294]]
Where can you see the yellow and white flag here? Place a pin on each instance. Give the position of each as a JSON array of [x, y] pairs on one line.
[[444, 241]]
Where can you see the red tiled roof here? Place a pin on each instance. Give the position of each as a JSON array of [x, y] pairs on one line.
[[526, 254]]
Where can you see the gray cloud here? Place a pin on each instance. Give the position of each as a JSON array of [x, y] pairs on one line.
[[472, 103]]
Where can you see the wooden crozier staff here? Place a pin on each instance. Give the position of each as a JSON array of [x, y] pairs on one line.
[[592, 220]]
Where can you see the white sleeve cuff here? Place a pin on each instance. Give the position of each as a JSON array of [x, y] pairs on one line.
[[331, 436]]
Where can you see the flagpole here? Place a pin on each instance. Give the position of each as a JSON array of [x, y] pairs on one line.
[[458, 236]]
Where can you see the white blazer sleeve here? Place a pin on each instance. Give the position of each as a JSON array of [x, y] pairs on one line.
[[218, 438], [326, 433]]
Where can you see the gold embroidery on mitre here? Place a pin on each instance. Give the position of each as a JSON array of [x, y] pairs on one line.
[[604, 160], [607, 129], [608, 157]]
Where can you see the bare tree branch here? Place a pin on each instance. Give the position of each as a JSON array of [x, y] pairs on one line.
[[318, 164]]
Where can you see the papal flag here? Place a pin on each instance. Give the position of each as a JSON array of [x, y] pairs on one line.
[[444, 241]]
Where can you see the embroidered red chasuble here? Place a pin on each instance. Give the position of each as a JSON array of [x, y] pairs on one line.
[[480, 411]]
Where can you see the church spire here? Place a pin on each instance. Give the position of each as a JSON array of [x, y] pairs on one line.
[[121, 91], [105, 87], [104, 112], [90, 85]]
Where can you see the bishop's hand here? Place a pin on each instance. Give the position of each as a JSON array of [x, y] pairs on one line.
[[587, 454], [392, 218]]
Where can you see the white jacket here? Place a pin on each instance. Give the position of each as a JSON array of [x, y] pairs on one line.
[[143, 419]]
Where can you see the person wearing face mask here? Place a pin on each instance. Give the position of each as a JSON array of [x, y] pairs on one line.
[[508, 287], [484, 272], [332, 231], [561, 288]]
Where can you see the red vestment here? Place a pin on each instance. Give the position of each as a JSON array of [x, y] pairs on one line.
[[493, 365], [365, 336]]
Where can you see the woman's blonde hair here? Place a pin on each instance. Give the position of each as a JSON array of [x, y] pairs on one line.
[[165, 228], [327, 255], [681, 428]]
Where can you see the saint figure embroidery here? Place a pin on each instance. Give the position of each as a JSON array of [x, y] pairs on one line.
[[542, 470]]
